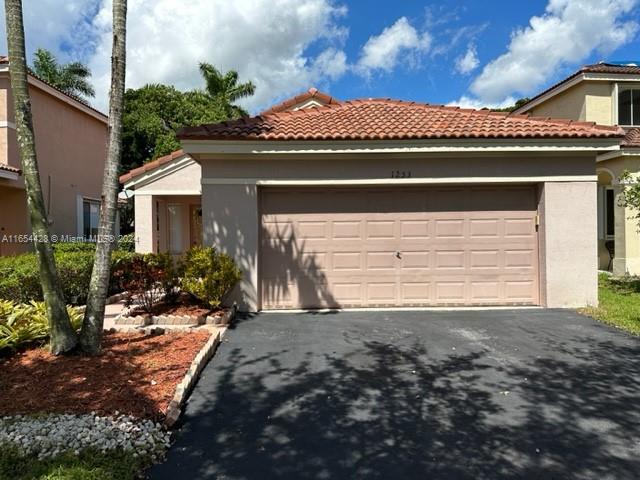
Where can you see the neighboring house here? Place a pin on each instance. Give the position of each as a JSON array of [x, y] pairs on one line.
[[71, 140], [384, 203], [608, 94]]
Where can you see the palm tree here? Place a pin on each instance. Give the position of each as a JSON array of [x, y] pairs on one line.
[[225, 87], [62, 336], [72, 78], [91, 333]]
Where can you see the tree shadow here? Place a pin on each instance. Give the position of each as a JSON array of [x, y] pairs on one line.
[[297, 279], [400, 411]]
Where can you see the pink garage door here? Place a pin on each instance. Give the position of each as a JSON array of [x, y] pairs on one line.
[[398, 247]]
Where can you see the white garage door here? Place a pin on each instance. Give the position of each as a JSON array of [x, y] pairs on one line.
[[401, 246]]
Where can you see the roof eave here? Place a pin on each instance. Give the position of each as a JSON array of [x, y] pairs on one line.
[[433, 146]]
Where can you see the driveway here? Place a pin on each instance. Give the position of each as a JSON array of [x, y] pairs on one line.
[[493, 394]]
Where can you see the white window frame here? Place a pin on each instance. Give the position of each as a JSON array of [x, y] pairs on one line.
[[619, 88]]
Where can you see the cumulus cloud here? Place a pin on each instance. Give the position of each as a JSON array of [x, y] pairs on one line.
[[468, 62], [400, 41], [566, 34], [64, 27], [266, 41]]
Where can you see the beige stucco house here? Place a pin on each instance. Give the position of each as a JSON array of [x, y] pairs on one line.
[[608, 94], [384, 203], [71, 142]]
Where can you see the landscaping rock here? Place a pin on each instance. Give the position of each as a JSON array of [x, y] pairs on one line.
[[50, 435]]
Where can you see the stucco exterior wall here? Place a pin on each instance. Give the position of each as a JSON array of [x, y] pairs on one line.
[[231, 208], [184, 180], [71, 148], [13, 217], [569, 222], [586, 101], [231, 223], [627, 230]]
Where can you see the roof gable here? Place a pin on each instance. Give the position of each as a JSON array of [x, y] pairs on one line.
[[311, 98]]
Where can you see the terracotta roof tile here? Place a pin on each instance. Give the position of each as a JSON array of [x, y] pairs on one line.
[[9, 168], [386, 119], [631, 139], [595, 68], [136, 172], [311, 94]]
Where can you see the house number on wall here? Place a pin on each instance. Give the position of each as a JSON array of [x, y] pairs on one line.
[[400, 173]]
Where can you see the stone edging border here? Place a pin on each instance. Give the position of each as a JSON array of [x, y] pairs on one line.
[[112, 299], [145, 320], [183, 389]]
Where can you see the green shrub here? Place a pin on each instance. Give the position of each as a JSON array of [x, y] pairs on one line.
[[24, 324], [20, 276], [209, 275], [127, 243], [88, 247]]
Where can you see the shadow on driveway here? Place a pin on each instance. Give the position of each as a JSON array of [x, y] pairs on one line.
[[477, 395]]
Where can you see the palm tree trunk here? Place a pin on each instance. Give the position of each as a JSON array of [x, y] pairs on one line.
[[91, 333], [63, 338]]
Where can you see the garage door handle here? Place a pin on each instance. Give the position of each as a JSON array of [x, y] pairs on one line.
[[398, 255]]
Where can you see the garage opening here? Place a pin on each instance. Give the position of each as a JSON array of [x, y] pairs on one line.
[[404, 246]]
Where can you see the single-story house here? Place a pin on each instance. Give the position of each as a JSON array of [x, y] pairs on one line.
[[384, 203], [71, 139]]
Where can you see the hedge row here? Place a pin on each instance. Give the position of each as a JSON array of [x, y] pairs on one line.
[[20, 277]]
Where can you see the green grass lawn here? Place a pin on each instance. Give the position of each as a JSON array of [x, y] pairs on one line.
[[619, 303], [88, 466]]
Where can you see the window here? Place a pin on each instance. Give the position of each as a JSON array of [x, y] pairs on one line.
[[629, 107], [609, 216], [90, 218]]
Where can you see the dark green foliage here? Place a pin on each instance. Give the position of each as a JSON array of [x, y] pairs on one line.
[[153, 114], [20, 277], [89, 465], [513, 107], [72, 78], [127, 243], [209, 275]]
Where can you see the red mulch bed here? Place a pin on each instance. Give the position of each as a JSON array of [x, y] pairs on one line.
[[136, 374], [184, 305]]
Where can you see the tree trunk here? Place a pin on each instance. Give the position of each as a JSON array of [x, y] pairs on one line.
[[92, 325], [63, 338]]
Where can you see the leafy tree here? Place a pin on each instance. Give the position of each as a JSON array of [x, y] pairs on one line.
[[62, 337], [72, 78], [92, 324], [153, 113], [225, 87], [513, 107]]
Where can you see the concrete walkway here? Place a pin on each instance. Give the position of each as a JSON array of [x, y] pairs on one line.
[[541, 394]]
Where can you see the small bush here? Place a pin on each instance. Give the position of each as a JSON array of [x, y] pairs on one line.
[[148, 279], [24, 324], [209, 275]]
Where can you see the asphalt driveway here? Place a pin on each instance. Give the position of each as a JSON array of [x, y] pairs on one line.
[[415, 395]]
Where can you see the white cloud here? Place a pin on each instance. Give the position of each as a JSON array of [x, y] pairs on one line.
[[383, 52], [63, 27], [471, 102], [566, 34], [266, 41], [468, 62]]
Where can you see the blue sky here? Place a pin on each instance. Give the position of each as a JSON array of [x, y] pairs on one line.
[[473, 53]]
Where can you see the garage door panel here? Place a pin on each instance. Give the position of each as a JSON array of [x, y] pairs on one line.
[[409, 247]]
